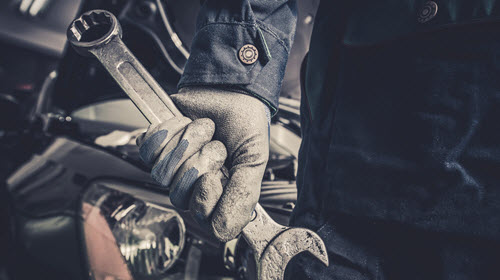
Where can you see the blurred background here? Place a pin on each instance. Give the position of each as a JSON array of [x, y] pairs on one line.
[[76, 201]]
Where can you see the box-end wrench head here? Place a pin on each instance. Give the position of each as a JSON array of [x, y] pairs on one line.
[[92, 30], [274, 245], [98, 33]]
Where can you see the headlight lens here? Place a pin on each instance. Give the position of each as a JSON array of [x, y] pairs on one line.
[[150, 239], [128, 238]]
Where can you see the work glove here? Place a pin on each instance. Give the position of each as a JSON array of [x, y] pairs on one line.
[[187, 156]]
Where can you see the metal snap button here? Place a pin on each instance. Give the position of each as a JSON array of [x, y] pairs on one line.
[[428, 11], [248, 54]]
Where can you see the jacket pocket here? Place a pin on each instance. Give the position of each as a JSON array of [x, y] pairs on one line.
[[376, 22]]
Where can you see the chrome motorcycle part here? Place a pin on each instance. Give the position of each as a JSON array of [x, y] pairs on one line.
[[193, 262], [127, 237], [152, 18]]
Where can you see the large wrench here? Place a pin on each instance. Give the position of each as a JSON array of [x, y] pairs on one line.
[[98, 33]]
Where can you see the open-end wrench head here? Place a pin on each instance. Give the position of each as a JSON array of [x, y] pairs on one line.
[[287, 245], [92, 30]]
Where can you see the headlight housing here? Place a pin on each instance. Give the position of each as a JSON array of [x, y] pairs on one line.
[[128, 238]]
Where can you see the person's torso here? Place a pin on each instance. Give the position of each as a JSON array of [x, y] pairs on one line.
[[399, 115]]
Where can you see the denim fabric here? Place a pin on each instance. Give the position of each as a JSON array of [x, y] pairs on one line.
[[400, 135], [399, 18], [367, 22], [409, 134], [223, 27], [361, 249]]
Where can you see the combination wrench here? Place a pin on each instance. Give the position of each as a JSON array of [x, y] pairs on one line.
[[98, 33]]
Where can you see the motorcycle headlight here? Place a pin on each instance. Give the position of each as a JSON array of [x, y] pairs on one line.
[[128, 238]]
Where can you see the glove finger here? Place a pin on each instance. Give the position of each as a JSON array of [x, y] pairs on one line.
[[209, 159], [235, 207], [152, 142], [180, 148], [207, 191], [240, 196], [169, 125], [142, 137]]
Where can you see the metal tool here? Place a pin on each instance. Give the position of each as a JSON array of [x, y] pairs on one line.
[[98, 33]]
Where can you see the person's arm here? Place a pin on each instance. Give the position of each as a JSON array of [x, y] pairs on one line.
[[229, 100], [224, 27]]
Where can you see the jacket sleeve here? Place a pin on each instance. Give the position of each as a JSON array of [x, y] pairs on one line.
[[224, 27]]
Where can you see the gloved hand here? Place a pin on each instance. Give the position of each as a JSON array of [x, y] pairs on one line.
[[186, 158]]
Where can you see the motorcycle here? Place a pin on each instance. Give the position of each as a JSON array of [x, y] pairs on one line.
[[82, 205]]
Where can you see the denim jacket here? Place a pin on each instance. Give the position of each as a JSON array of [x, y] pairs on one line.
[[398, 111], [223, 28], [399, 108]]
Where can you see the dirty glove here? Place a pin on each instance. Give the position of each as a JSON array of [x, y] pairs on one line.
[[187, 159]]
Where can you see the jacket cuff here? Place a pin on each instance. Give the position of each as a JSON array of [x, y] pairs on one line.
[[215, 61]]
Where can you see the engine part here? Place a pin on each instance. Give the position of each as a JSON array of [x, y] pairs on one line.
[[98, 33]]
